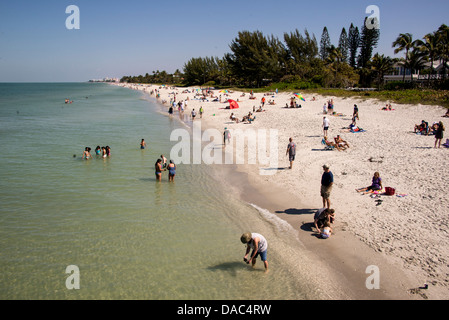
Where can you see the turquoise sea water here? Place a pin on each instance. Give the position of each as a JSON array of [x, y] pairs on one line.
[[130, 236]]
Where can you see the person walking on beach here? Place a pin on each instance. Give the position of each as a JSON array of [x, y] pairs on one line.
[[258, 244], [201, 112], [291, 151], [439, 133], [226, 136], [193, 114], [327, 181], [326, 124]]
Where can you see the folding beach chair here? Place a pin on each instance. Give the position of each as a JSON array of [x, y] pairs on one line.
[[329, 148]]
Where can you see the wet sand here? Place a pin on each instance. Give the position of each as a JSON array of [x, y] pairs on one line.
[[345, 258]]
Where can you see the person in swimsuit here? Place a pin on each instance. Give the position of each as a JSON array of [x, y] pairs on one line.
[[341, 143], [158, 169], [86, 153], [98, 151], [143, 144], [171, 171]]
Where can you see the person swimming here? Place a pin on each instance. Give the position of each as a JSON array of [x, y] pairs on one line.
[[86, 153], [143, 144]]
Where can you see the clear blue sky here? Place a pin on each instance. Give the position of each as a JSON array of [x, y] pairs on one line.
[[118, 38]]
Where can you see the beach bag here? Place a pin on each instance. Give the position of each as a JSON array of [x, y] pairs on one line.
[[390, 191]]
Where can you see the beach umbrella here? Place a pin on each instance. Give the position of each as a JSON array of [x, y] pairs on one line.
[[299, 96], [224, 91], [233, 104]]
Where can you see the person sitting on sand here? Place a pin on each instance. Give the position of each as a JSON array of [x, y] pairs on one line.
[[376, 185], [331, 144], [422, 128], [352, 128], [341, 143], [233, 118]]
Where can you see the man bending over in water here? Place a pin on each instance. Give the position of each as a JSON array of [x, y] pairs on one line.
[[258, 244]]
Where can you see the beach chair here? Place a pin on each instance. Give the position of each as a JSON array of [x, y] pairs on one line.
[[328, 148]]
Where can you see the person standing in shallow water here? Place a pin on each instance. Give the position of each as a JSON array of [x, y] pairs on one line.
[[143, 144], [158, 169], [258, 244], [171, 171]]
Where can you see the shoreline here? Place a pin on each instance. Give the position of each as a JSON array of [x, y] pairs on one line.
[[345, 254]]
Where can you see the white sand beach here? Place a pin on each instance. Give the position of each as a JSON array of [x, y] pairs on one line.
[[409, 231]]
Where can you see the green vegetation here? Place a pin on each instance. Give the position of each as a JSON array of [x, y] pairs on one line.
[[266, 63]]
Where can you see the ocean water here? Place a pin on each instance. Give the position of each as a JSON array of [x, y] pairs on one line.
[[130, 236]]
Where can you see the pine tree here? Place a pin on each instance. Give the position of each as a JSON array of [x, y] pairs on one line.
[[325, 44], [343, 45], [368, 41], [353, 44]]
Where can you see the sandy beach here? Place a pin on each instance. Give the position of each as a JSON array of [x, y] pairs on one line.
[[406, 235]]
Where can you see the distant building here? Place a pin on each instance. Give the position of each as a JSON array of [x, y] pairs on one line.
[[399, 71], [107, 79]]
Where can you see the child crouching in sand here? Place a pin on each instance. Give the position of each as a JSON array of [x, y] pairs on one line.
[[327, 230]]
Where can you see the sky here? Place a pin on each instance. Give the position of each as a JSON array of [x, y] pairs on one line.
[[133, 37]]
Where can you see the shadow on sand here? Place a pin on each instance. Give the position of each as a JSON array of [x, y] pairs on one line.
[[295, 211]]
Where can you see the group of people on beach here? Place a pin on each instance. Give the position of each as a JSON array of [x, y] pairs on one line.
[[102, 152], [436, 129]]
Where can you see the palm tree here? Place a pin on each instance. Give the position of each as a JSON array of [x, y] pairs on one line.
[[443, 46], [381, 65], [414, 61], [429, 47], [404, 42]]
